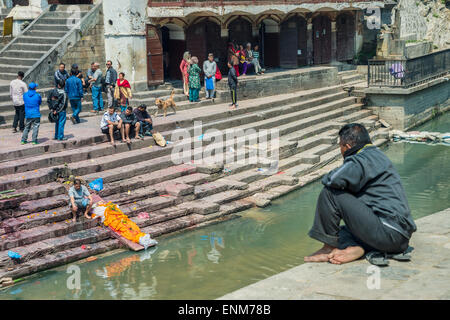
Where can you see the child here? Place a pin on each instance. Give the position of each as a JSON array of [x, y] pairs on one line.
[[232, 83], [194, 80], [255, 60]]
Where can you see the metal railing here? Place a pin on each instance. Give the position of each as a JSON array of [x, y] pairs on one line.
[[408, 72]]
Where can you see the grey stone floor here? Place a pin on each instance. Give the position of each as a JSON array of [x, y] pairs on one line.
[[426, 276]]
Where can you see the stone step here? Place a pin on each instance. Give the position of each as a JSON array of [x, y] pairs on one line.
[[50, 27], [17, 61], [38, 40], [56, 33], [54, 245], [60, 258], [56, 21], [19, 46], [13, 69]]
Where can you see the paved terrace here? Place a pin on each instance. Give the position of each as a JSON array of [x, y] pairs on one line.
[[426, 276]]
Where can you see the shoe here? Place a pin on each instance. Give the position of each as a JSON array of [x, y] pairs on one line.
[[14, 130], [23, 142], [94, 111], [73, 120], [63, 139], [148, 133], [34, 143], [141, 136]]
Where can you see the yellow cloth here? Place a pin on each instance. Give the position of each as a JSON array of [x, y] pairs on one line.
[[120, 223], [125, 91]]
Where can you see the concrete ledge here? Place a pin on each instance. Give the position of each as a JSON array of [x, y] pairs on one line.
[[424, 277]]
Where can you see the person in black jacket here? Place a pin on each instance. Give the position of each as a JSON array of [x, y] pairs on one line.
[[57, 102], [130, 121], [365, 192], [232, 83]]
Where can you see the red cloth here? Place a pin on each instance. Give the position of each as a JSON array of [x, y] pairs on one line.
[[125, 83]]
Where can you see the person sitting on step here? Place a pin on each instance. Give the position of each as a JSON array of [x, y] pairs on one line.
[[110, 123], [130, 122], [80, 200], [367, 194], [145, 120]]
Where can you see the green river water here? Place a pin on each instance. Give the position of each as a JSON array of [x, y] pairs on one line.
[[209, 262]]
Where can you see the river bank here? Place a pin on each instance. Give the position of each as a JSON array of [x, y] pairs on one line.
[[424, 277]]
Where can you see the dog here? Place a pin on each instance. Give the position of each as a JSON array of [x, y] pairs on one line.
[[165, 104]]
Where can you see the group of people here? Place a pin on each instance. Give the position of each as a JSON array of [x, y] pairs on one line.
[[69, 87], [244, 57]]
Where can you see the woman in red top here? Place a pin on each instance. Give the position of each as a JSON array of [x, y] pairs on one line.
[[233, 55], [184, 67]]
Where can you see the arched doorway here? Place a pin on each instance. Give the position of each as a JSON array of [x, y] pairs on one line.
[[322, 39], [270, 43], [293, 39], [345, 37], [203, 38], [240, 31], [174, 45]]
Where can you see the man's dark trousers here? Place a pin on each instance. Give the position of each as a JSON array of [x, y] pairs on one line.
[[19, 117], [362, 226]]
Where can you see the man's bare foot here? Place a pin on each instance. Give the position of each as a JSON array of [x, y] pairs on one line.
[[74, 219], [347, 255], [113, 143], [320, 255], [128, 140], [87, 216]]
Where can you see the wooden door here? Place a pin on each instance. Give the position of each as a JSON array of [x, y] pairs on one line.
[[289, 43], [196, 41], [176, 51], [271, 50], [322, 39], [155, 70], [345, 37]]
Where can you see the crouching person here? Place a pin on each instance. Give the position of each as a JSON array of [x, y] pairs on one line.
[[80, 200], [146, 124], [130, 122], [111, 122], [367, 194]]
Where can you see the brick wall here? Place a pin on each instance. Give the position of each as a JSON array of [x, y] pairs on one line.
[[91, 48]]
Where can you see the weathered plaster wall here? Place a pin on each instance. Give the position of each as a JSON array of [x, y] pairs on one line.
[[125, 40]]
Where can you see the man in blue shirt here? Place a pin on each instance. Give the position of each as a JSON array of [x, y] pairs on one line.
[[32, 101], [74, 90]]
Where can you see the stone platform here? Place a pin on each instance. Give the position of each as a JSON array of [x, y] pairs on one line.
[[425, 277]]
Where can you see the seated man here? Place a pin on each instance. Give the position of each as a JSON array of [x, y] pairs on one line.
[[145, 120], [110, 123], [365, 192], [129, 121], [80, 199]]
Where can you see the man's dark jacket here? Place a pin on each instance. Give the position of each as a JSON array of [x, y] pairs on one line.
[[371, 177], [232, 78], [57, 100]]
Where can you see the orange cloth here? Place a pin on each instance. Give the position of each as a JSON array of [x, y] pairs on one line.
[[120, 223]]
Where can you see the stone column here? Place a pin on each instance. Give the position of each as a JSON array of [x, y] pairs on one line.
[[125, 39], [333, 39], [309, 42]]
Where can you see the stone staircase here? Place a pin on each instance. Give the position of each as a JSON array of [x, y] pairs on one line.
[[143, 177], [28, 48]]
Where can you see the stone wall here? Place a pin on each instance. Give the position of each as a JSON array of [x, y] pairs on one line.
[[407, 108], [91, 48]]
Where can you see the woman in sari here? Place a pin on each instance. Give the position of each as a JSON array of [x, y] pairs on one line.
[[184, 67], [122, 92]]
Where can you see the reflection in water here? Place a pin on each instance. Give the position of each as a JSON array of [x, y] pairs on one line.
[[212, 261]]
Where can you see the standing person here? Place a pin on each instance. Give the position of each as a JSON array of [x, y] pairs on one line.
[[194, 80], [89, 76], [232, 83], [57, 102], [78, 74], [96, 81], [32, 101], [130, 121], [233, 55], [110, 82], [74, 90], [243, 59], [110, 123], [16, 90], [145, 120], [122, 92], [255, 60], [209, 69], [61, 74], [184, 67], [366, 192], [80, 200]]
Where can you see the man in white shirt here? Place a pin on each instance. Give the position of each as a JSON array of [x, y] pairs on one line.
[[110, 123], [16, 90]]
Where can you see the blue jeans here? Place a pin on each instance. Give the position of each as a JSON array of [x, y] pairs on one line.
[[59, 125], [76, 108], [31, 122], [97, 98]]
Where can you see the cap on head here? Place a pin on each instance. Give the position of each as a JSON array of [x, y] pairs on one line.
[[74, 66], [33, 86]]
